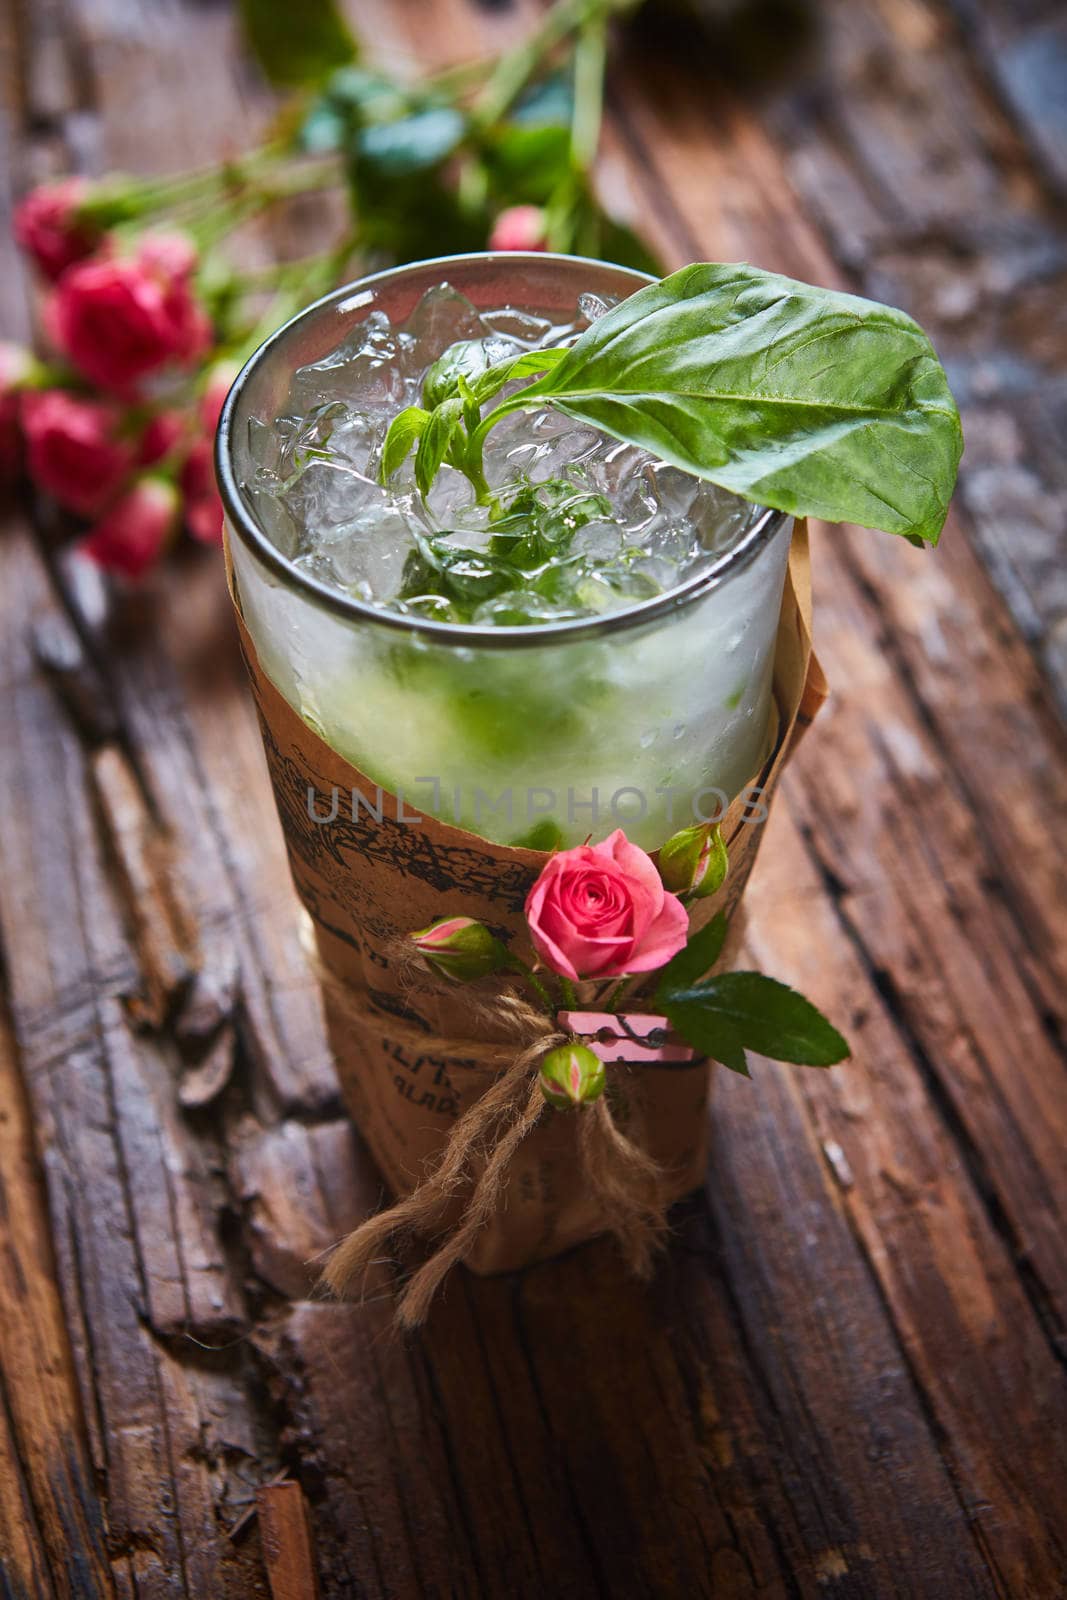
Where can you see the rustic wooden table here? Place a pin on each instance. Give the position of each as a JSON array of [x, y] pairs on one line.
[[847, 1378]]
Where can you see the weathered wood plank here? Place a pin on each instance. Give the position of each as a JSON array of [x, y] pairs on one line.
[[789, 1410], [1024, 50], [52, 1532], [928, 195], [879, 737], [133, 1196]]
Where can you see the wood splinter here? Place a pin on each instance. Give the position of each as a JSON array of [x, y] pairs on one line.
[[285, 1533]]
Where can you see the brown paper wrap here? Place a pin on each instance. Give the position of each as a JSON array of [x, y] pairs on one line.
[[410, 1054]]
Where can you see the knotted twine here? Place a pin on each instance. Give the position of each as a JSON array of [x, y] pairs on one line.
[[474, 1166]]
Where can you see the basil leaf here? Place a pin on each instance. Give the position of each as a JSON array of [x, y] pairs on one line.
[[796, 397], [691, 963], [436, 439], [406, 427], [492, 380], [466, 359], [758, 1013], [534, 361]]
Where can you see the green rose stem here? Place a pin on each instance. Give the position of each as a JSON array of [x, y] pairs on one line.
[[570, 998], [512, 73], [616, 994], [535, 983], [590, 58]]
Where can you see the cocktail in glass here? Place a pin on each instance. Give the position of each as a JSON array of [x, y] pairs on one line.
[[649, 717]]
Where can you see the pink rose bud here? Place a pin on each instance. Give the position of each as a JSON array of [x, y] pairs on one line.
[[601, 911], [168, 256], [17, 368], [571, 1075], [203, 505], [519, 228], [133, 534], [459, 947], [75, 450], [694, 861], [50, 227], [123, 318], [219, 382]]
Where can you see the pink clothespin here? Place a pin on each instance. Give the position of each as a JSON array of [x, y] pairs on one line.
[[630, 1037]]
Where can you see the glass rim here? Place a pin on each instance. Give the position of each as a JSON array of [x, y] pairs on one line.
[[257, 541]]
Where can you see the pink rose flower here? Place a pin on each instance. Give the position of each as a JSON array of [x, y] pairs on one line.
[[74, 450], [203, 504], [133, 534], [48, 227], [122, 318], [162, 433], [600, 911], [519, 228]]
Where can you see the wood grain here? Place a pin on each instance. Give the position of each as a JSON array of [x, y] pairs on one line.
[[847, 1378]]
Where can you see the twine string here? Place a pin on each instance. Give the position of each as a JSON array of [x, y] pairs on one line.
[[474, 1167]]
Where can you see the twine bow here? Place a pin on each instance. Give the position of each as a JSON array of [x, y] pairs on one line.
[[475, 1168]]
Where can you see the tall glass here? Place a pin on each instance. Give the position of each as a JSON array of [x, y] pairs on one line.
[[647, 719]]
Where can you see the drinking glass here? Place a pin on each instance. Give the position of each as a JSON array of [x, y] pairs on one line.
[[648, 718]]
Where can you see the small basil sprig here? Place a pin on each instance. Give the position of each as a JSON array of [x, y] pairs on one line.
[[795, 397], [726, 1015]]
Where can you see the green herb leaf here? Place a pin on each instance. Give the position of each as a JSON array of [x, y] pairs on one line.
[[461, 368], [406, 428], [796, 397], [534, 361], [296, 44], [436, 441], [466, 359], [691, 963], [492, 380], [747, 1010]]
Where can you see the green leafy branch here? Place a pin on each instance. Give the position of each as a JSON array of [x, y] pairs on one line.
[[426, 166], [430, 164], [796, 397]]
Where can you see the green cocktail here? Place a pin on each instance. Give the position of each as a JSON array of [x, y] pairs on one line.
[[588, 644]]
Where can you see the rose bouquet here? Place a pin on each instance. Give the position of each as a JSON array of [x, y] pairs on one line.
[[148, 312], [116, 424]]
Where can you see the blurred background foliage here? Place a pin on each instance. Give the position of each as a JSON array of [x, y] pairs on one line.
[[430, 164]]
